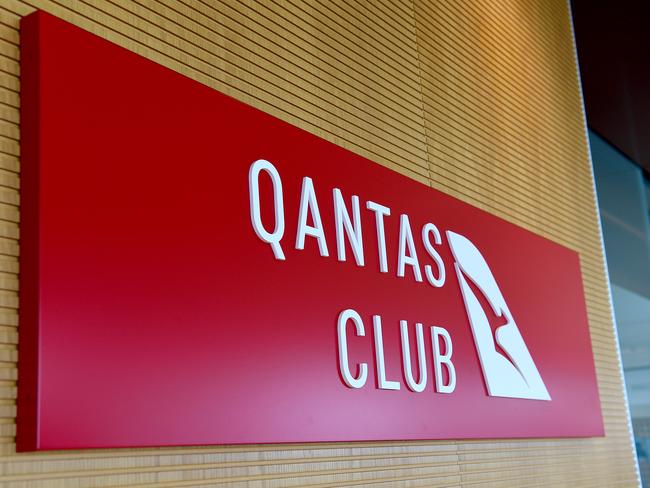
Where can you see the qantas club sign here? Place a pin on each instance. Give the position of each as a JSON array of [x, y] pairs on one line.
[[195, 271], [508, 372]]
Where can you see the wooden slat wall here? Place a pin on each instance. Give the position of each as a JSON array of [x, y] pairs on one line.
[[479, 98]]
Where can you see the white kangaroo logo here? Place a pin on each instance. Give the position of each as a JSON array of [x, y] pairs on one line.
[[515, 376]]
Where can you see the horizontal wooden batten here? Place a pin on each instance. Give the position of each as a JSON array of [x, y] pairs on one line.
[[478, 99]]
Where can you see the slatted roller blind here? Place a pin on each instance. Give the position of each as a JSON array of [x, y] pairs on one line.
[[477, 98]]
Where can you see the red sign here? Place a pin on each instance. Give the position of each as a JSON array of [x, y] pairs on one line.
[[195, 271]]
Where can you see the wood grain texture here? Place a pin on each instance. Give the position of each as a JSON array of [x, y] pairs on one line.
[[477, 98]]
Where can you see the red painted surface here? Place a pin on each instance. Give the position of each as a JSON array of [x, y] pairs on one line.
[[152, 315]]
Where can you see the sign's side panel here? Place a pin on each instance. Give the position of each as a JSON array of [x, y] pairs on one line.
[[166, 319], [29, 360]]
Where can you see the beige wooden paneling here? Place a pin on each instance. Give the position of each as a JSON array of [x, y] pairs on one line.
[[478, 98]]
